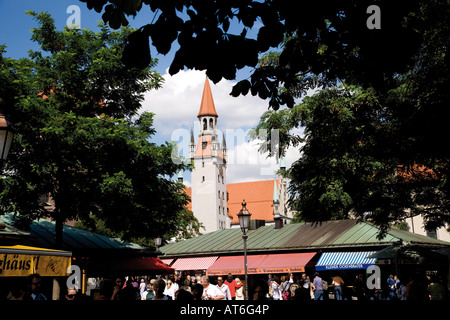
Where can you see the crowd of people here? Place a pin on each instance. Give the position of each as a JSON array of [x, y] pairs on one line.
[[417, 288], [285, 287], [167, 288]]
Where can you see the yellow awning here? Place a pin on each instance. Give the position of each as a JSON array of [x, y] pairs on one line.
[[19, 261]]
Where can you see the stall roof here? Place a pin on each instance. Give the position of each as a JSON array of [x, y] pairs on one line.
[[19, 249], [295, 237], [42, 234], [9, 233]]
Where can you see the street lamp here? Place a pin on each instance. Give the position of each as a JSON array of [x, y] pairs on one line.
[[157, 241], [244, 222], [6, 135]]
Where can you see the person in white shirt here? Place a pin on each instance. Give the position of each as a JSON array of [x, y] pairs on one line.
[[276, 288], [210, 292], [224, 289], [142, 287], [170, 289]]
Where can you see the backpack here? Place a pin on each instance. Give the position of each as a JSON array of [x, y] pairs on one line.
[[285, 286], [294, 287], [324, 285], [270, 290], [285, 290]]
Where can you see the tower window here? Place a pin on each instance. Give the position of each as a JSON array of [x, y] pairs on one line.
[[211, 123], [203, 178], [205, 124]]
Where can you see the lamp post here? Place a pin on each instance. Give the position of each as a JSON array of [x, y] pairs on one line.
[[6, 135], [157, 241], [244, 222]]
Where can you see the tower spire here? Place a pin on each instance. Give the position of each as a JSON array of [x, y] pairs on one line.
[[207, 107]]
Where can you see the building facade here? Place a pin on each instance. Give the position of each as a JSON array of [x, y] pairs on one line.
[[208, 179], [214, 202]]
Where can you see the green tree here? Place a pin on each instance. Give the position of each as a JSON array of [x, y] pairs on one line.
[[327, 41], [375, 152], [384, 161], [351, 165], [80, 139]]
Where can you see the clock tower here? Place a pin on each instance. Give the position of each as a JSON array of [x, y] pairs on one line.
[[208, 178]]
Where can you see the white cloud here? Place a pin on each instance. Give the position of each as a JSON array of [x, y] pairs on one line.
[[176, 106], [177, 103]]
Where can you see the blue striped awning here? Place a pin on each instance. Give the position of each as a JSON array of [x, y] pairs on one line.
[[345, 260]]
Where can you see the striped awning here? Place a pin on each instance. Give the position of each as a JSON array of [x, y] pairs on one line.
[[195, 263], [345, 260], [261, 264], [167, 261]]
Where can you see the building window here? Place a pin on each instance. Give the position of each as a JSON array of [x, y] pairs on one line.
[[432, 234], [205, 124], [203, 178], [218, 178], [203, 164], [218, 194]]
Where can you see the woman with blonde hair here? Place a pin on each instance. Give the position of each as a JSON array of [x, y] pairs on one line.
[[240, 290]]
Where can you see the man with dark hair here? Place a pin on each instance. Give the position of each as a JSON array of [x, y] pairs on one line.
[[33, 283], [317, 286], [232, 285]]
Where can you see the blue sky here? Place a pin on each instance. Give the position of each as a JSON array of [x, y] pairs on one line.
[[15, 26], [177, 103]]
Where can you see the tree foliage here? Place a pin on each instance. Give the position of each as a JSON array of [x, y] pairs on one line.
[[80, 139], [375, 139], [372, 153], [326, 40]]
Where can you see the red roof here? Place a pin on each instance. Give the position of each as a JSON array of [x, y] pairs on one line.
[[257, 194], [207, 107], [189, 193], [416, 171]]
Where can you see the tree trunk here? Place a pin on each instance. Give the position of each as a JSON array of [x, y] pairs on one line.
[[59, 223]]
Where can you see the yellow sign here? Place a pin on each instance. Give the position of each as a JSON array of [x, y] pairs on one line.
[[18, 265]]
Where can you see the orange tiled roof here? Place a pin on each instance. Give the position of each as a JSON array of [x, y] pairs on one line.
[[189, 193], [207, 107], [257, 194], [416, 171]]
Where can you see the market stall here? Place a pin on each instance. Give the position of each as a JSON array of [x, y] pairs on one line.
[[21, 261]]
